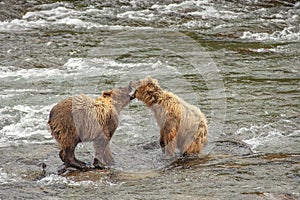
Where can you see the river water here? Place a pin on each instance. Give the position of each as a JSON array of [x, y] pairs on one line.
[[238, 61]]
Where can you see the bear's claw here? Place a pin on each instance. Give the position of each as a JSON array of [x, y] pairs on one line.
[[97, 164]]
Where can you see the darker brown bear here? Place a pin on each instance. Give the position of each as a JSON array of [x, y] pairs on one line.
[[83, 119], [182, 125]]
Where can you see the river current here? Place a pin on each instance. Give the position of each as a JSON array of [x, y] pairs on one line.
[[238, 61]]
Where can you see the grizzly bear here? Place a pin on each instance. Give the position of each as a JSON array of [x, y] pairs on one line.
[[83, 119], [182, 125]]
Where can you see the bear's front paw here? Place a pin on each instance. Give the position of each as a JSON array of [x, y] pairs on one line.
[[97, 164]]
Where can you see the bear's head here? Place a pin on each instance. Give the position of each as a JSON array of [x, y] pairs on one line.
[[147, 90], [120, 96]]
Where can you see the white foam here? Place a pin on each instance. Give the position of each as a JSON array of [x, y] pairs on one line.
[[257, 136], [72, 68], [54, 179], [7, 178], [81, 64], [51, 15], [144, 15], [32, 122], [212, 12], [60, 16], [263, 139], [4, 113], [15, 74], [182, 5], [196, 24], [203, 9], [108, 66], [287, 34]]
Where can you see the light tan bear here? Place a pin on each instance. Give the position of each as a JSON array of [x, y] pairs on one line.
[[83, 119], [182, 125]]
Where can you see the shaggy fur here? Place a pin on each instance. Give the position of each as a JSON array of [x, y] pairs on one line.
[[83, 119], [182, 125]]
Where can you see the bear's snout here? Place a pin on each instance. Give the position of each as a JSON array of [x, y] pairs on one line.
[[132, 93], [132, 90]]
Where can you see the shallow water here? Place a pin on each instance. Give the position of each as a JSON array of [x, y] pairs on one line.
[[238, 61]]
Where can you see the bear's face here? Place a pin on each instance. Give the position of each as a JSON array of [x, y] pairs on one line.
[[120, 96], [147, 90]]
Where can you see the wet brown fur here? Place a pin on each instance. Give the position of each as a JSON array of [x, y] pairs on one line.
[[83, 119], [182, 125]]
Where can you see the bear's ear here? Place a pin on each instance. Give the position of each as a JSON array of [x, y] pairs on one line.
[[107, 93], [155, 81], [151, 80]]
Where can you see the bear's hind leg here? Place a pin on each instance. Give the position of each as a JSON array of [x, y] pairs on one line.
[[199, 142], [193, 149], [67, 155]]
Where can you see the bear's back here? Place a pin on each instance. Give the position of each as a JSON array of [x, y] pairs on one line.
[[91, 116]]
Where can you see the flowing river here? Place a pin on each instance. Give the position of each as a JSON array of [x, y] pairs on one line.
[[238, 61]]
